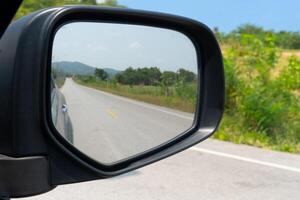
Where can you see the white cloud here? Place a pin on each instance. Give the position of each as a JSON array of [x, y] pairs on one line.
[[135, 45], [101, 48]]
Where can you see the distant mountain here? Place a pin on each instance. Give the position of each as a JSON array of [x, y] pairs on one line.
[[78, 68], [75, 68]]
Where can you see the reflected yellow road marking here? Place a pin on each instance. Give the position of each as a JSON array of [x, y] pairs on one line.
[[112, 113]]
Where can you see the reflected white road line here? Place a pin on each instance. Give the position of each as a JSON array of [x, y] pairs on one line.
[[140, 104]]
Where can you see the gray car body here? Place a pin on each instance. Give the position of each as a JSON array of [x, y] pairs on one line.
[[60, 117]]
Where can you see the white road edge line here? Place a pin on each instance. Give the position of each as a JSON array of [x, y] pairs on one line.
[[250, 160]]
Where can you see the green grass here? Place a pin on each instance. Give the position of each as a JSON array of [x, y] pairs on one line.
[[149, 94], [232, 130]]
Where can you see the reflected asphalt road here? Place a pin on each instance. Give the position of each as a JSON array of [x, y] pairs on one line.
[[110, 128]]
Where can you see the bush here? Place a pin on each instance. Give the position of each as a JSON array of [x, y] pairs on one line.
[[260, 109]]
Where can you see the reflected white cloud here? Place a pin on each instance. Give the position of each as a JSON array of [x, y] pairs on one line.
[[135, 45], [119, 46]]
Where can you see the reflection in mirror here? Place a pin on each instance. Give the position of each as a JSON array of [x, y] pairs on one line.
[[118, 90]]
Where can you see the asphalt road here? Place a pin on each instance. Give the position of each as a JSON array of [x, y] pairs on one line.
[[109, 128], [210, 170]]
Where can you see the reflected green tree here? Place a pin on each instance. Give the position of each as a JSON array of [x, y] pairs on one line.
[[101, 74]]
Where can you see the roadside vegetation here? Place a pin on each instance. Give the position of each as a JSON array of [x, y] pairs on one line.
[[170, 89], [262, 88], [282, 39], [58, 77], [29, 6]]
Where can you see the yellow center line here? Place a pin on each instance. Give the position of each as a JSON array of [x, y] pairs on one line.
[[112, 113]]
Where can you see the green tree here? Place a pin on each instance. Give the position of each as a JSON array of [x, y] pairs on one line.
[[119, 78], [154, 75], [282, 39], [186, 76], [249, 29], [29, 6], [101, 74], [139, 76], [148, 76], [288, 40], [89, 2], [290, 77], [112, 3], [219, 35], [167, 79], [128, 77]]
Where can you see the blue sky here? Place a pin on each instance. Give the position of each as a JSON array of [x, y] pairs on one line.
[[228, 14]]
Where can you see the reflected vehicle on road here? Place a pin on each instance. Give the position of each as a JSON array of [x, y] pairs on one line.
[[60, 116]]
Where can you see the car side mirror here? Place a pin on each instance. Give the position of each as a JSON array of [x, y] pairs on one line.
[[93, 93]]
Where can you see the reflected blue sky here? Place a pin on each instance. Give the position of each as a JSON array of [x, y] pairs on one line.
[[120, 46]]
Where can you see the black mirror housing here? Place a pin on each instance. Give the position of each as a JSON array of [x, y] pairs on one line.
[[25, 58]]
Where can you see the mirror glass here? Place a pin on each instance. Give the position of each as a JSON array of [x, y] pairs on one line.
[[118, 90]]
